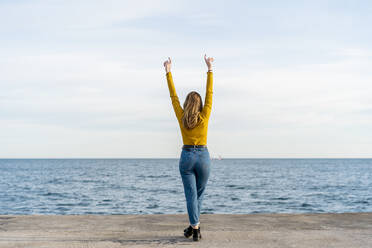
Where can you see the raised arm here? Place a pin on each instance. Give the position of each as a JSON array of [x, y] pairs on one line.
[[172, 91], [209, 91]]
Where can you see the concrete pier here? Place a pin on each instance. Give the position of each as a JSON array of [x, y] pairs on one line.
[[348, 230]]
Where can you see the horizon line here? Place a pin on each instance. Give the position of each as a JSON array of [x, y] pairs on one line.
[[212, 158]]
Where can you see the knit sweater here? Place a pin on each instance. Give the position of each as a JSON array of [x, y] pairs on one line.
[[197, 135]]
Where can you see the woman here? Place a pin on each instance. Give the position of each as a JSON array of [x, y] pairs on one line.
[[195, 162]]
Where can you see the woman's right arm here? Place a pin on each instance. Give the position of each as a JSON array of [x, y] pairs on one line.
[[209, 91]]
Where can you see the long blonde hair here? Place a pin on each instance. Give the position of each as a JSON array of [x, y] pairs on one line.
[[192, 107]]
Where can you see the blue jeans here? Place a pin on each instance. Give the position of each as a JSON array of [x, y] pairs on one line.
[[194, 168]]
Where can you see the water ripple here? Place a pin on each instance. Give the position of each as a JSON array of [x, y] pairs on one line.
[[149, 186]]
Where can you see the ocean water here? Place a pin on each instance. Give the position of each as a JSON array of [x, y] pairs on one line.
[[154, 186]]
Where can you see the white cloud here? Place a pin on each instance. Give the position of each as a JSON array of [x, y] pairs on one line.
[[60, 15]]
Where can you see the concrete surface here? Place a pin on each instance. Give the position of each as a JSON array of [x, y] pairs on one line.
[[349, 230]]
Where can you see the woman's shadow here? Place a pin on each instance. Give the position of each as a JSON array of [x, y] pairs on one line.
[[165, 240]]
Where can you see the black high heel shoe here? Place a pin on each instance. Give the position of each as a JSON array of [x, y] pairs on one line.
[[188, 232], [196, 235]]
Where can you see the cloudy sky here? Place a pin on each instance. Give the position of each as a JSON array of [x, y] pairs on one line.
[[86, 78]]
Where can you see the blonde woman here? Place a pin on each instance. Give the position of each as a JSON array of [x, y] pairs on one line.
[[195, 162]]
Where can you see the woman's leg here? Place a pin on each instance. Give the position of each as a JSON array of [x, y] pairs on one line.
[[202, 168], [186, 167]]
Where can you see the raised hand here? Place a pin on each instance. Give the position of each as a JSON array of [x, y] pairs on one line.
[[167, 65], [208, 61]]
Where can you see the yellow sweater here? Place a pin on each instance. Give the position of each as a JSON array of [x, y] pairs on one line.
[[197, 135]]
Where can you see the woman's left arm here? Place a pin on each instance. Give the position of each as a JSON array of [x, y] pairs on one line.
[[172, 91]]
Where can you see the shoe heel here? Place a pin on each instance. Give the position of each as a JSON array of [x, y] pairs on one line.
[[196, 235], [188, 232]]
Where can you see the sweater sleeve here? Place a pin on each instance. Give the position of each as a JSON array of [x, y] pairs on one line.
[[208, 96], [175, 101]]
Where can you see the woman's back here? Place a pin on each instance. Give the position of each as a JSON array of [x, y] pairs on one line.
[[198, 134]]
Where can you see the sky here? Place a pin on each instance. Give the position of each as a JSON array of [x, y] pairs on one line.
[[85, 79]]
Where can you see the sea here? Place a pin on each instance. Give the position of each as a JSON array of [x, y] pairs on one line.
[[154, 186]]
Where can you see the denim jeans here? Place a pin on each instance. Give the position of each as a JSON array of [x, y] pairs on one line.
[[194, 167]]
